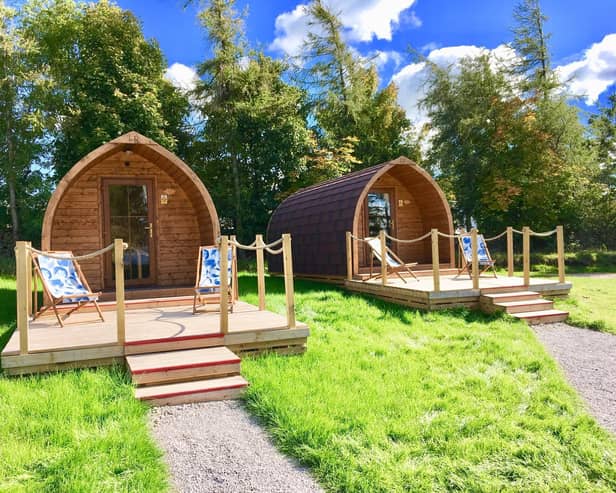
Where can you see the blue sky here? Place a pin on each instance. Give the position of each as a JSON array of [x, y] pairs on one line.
[[583, 43]]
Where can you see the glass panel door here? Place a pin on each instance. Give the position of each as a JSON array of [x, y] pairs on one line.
[[379, 213], [130, 218]]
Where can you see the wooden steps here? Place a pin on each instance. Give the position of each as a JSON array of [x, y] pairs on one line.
[[525, 305], [163, 344], [190, 375]]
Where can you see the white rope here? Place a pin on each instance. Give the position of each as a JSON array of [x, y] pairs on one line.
[[252, 246], [273, 252], [409, 241], [496, 237], [76, 257], [546, 233], [517, 231], [445, 235], [358, 238]]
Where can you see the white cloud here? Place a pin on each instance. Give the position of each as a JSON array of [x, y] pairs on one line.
[[593, 74], [181, 76], [412, 78], [363, 20], [383, 58]]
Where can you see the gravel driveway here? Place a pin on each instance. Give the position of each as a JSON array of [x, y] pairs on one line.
[[218, 447], [588, 359]]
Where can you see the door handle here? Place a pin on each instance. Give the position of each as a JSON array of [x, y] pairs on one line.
[[150, 229]]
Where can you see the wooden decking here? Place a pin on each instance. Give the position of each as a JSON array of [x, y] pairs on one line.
[[86, 342], [454, 291]]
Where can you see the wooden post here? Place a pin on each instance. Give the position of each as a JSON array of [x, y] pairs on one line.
[[118, 250], [436, 274], [475, 258], [349, 255], [21, 264], [560, 249], [260, 272], [526, 254], [234, 285], [29, 277], [224, 285], [510, 251], [383, 257], [287, 260]]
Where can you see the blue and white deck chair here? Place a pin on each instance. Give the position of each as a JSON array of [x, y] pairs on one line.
[[63, 282], [207, 284], [394, 264], [466, 255]]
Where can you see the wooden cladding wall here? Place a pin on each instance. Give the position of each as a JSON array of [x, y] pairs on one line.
[[181, 225]]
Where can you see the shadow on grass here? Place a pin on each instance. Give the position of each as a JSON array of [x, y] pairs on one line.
[[7, 315], [275, 285]]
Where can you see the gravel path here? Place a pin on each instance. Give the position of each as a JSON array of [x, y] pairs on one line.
[[218, 447], [589, 361]]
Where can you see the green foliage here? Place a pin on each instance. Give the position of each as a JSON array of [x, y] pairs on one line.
[[347, 100], [254, 139], [388, 399], [591, 303], [109, 78]]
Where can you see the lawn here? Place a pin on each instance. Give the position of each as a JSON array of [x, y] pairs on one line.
[[77, 431], [591, 303], [389, 399]]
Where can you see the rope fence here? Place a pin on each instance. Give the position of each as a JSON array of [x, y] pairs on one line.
[[85, 256]]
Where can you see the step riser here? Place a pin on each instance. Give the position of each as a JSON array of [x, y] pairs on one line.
[[186, 374], [545, 320], [548, 305], [215, 395], [174, 345], [504, 289], [512, 297]]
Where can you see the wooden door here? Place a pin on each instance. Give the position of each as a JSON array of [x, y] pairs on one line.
[[129, 214]]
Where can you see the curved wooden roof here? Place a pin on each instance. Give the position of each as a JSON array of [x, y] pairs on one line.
[[155, 153], [318, 217]]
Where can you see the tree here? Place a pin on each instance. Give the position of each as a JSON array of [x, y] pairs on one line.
[[109, 78], [254, 137], [530, 42], [504, 160], [347, 99], [24, 88]]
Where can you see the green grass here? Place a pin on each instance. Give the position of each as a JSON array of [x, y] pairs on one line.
[[591, 303], [390, 399], [76, 431]]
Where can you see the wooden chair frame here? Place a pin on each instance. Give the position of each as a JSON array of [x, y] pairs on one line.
[[55, 301], [214, 298], [391, 269], [467, 265]]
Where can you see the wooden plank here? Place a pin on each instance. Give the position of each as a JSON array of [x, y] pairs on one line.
[[224, 285], [187, 388], [510, 251], [260, 272], [119, 290], [287, 260], [52, 367], [436, 275], [191, 358], [21, 261], [53, 357], [526, 254], [234, 339]]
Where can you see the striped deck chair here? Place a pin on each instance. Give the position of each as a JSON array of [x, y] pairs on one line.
[[394, 264], [466, 255], [207, 284], [63, 282]]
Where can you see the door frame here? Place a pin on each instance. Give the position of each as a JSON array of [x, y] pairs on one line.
[[150, 183], [392, 205]]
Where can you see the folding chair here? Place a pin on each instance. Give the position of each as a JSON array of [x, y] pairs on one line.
[[207, 283], [394, 264], [63, 282], [466, 255]]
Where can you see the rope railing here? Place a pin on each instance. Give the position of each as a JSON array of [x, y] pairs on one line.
[[85, 256], [435, 234], [259, 247]]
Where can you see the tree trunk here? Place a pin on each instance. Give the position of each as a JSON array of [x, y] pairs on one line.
[[13, 207]]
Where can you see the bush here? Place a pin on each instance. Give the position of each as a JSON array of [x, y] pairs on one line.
[[582, 260]]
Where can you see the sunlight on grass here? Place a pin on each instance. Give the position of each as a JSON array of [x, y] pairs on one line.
[[76, 431], [391, 399], [591, 303]]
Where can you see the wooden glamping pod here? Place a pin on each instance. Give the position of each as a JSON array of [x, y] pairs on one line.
[[133, 188], [398, 196]]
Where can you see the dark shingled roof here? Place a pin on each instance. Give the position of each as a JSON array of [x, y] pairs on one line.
[[318, 218]]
